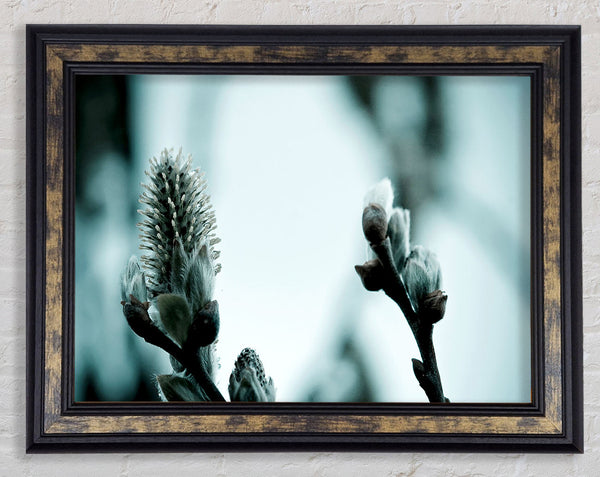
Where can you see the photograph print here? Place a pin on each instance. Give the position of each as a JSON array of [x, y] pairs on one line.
[[303, 238]]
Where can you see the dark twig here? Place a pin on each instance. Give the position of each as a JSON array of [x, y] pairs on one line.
[[393, 285], [140, 322]]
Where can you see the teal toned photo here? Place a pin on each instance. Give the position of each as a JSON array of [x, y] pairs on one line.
[[303, 238]]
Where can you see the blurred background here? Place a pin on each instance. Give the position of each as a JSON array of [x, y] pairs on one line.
[[288, 160]]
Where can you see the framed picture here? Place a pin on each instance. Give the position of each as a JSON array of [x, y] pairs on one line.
[[293, 238]]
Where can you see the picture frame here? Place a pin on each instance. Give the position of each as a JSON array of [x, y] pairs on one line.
[[548, 55]]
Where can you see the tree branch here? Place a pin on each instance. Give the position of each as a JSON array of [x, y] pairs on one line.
[[421, 324], [140, 322]]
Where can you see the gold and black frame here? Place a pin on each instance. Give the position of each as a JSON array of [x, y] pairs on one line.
[[548, 55]]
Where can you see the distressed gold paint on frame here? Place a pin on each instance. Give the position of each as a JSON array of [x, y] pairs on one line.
[[551, 238], [54, 239], [551, 423], [302, 423], [295, 54]]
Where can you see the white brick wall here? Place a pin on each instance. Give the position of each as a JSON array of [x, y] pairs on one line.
[[14, 14]]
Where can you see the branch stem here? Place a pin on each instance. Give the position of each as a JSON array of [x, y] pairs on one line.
[[426, 372], [153, 335]]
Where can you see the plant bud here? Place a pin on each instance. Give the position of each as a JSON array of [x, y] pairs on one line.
[[374, 223], [248, 381], [418, 369], [421, 274], [381, 193], [179, 387], [398, 231], [175, 316], [199, 276], [371, 274], [433, 306], [204, 328], [133, 281], [136, 314]]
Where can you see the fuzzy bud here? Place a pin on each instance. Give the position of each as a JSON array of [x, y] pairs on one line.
[[422, 275], [371, 274], [179, 387], [204, 328], [248, 381], [199, 277], [133, 281], [433, 306], [178, 218], [136, 314], [175, 316], [374, 223], [399, 231], [382, 194]]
